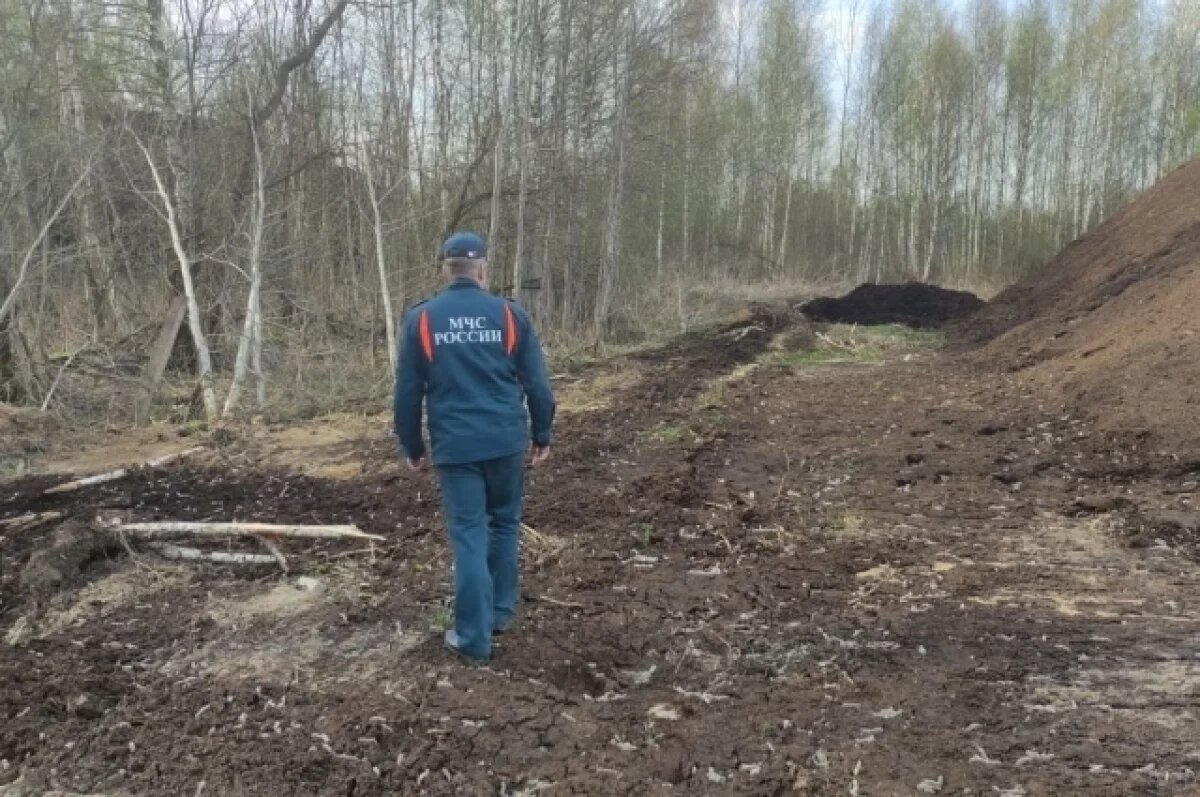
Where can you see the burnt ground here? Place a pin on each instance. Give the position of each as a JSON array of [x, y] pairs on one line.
[[907, 577]]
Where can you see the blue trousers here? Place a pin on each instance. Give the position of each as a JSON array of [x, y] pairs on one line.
[[482, 501]]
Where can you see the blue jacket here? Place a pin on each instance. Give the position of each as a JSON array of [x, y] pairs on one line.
[[475, 359]]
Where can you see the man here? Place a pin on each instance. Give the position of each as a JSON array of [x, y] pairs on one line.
[[475, 361]]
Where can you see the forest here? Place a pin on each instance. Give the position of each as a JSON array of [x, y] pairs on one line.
[[252, 192], [872, 333]]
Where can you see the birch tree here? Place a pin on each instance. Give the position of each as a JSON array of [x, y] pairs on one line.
[[249, 352], [170, 217], [624, 27]]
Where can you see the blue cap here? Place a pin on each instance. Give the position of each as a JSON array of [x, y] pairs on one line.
[[465, 245]]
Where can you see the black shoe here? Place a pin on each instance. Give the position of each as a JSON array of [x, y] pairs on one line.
[[450, 640]]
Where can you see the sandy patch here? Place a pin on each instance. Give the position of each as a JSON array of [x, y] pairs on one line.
[[111, 594], [328, 448], [596, 392]]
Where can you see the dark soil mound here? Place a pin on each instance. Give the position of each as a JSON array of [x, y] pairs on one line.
[[73, 547], [1113, 322], [914, 304]]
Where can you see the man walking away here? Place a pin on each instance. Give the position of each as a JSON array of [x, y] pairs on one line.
[[475, 361]]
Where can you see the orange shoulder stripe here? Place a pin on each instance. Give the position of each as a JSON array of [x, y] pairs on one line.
[[426, 338], [510, 330]]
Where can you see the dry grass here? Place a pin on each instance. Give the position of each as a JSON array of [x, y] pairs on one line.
[[669, 433], [842, 343], [541, 546], [848, 524], [738, 292], [662, 310], [594, 392], [716, 395], [982, 287]]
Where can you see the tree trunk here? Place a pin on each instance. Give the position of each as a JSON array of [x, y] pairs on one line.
[[8, 361], [195, 324], [519, 289], [685, 231], [249, 344], [505, 121], [99, 280], [160, 355], [787, 213], [610, 273], [664, 150], [385, 295]]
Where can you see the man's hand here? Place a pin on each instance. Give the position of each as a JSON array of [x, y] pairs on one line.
[[540, 455], [416, 463]]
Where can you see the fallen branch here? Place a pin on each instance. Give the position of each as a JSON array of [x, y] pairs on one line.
[[19, 633], [557, 602], [357, 552], [837, 344], [61, 371], [538, 538], [137, 560], [543, 546], [170, 551], [275, 552], [7, 303], [119, 473], [202, 529], [740, 334], [707, 698], [31, 519]]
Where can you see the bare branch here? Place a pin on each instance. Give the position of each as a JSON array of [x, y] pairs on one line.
[[296, 60], [23, 269]]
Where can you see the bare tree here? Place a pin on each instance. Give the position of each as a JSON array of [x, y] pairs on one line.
[[14, 290], [624, 26], [249, 351], [203, 355]]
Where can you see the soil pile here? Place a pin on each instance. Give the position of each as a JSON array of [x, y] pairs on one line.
[[913, 304], [1113, 322]]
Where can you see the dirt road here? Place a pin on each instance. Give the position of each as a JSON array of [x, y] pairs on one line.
[[859, 575]]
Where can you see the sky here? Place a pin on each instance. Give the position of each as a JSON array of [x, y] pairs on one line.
[[836, 15], [842, 21]]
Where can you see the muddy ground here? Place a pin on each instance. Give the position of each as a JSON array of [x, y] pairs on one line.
[[755, 572]]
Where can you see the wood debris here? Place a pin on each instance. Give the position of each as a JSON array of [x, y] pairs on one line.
[[29, 520], [188, 528], [182, 553], [119, 473]]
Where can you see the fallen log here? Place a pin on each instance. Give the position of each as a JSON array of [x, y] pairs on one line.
[[119, 473], [31, 519], [203, 529], [557, 602], [181, 553]]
